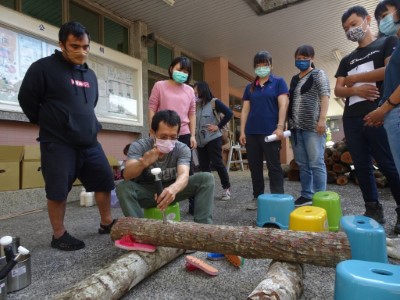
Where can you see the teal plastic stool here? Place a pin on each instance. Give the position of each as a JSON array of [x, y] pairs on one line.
[[273, 210], [172, 213], [367, 238], [365, 280], [330, 201]]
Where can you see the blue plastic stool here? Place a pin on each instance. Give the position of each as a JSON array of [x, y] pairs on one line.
[[367, 238], [330, 201], [365, 280], [274, 209]]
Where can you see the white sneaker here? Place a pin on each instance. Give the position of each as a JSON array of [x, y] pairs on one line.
[[252, 205], [226, 194]]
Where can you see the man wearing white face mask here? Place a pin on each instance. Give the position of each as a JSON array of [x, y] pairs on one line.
[[163, 150], [359, 79]]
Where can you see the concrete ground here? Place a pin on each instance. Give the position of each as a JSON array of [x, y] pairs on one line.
[[54, 271]]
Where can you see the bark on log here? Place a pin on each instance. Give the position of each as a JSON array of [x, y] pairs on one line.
[[329, 163], [346, 158], [116, 279], [342, 180], [317, 248], [293, 165], [283, 281], [293, 175]]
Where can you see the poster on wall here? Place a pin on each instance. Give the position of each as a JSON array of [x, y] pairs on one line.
[[118, 94]]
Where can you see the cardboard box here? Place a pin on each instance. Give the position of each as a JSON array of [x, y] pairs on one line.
[[10, 159], [31, 174]]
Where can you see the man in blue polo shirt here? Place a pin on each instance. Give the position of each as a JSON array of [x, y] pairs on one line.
[[265, 103]]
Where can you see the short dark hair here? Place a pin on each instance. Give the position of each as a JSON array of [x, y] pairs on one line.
[[358, 10], [262, 57], [382, 7], [203, 92], [74, 28], [126, 149], [186, 65], [306, 50], [169, 117]]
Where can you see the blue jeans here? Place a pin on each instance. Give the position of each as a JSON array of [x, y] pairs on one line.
[[308, 149], [392, 126], [365, 142]]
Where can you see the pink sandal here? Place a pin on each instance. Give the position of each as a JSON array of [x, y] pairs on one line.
[[127, 242], [193, 263]]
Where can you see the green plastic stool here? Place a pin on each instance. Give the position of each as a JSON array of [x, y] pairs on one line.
[[330, 201], [172, 213]]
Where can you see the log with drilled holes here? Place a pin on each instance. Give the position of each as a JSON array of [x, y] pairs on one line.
[[317, 248], [283, 281]]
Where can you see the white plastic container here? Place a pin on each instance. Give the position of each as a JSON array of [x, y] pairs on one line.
[[89, 199], [82, 197]]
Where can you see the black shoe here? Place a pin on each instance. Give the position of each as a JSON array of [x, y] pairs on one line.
[[374, 211], [397, 226], [301, 201], [106, 229], [67, 243]]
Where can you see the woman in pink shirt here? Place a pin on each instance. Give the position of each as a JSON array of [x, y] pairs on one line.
[[175, 94]]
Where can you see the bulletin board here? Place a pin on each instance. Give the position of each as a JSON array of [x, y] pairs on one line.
[[119, 75]]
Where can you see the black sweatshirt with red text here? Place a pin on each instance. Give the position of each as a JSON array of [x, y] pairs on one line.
[[60, 97]]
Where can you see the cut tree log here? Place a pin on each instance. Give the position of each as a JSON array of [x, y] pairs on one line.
[[293, 175], [293, 165], [327, 153], [339, 168], [381, 182], [283, 281], [336, 156], [317, 248], [342, 180], [116, 279], [331, 177], [346, 158]]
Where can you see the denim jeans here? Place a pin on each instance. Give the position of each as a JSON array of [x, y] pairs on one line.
[[257, 149], [308, 149], [392, 126], [212, 152], [134, 196], [365, 143]]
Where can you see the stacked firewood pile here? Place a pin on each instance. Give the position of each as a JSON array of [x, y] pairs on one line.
[[339, 166]]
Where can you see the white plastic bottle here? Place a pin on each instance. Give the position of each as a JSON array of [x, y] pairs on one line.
[[82, 197], [89, 199]]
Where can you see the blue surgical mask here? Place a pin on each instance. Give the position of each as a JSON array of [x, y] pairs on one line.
[[302, 64], [179, 77], [262, 72], [387, 25]]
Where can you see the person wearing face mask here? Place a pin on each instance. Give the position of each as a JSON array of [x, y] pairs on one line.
[[59, 93], [264, 109], [175, 94], [163, 150], [387, 14], [308, 106], [359, 79]]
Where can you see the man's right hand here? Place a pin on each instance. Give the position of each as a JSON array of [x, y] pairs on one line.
[[150, 157], [367, 91]]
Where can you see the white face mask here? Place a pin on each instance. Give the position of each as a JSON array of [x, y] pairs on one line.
[[165, 146]]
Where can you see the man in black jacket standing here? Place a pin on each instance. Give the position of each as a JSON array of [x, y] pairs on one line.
[[59, 93]]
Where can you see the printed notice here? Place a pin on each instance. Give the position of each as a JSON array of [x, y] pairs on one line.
[[367, 67]]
